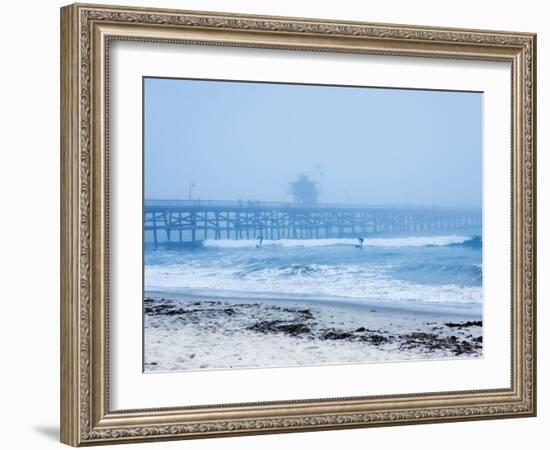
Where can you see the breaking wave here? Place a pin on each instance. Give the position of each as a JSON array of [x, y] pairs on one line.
[[413, 241]]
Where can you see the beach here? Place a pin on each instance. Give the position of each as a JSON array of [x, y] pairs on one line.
[[230, 304], [187, 332]]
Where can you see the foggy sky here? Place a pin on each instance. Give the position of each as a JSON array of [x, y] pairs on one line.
[[362, 145]]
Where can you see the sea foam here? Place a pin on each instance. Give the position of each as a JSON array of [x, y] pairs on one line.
[[352, 282], [412, 241], [419, 269]]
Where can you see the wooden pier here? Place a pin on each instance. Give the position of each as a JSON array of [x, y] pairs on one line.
[[188, 221]]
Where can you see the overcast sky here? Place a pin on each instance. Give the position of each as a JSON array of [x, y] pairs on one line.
[[237, 140]]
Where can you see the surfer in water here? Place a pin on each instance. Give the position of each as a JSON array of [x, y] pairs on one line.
[[361, 240], [260, 239]]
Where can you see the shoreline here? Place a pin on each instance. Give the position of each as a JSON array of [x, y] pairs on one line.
[[190, 332], [454, 309]]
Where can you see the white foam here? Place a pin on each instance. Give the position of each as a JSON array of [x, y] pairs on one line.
[[353, 282], [412, 241]]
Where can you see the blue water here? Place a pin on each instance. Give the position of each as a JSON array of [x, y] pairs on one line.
[[439, 269]]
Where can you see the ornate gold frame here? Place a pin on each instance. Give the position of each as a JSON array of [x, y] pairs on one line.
[[86, 31]]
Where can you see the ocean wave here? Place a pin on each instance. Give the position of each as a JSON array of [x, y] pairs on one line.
[[433, 272], [290, 270], [473, 242], [412, 241], [353, 282]]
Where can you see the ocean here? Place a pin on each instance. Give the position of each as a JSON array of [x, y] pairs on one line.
[[437, 271]]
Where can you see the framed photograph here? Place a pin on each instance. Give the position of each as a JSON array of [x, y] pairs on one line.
[[274, 224]]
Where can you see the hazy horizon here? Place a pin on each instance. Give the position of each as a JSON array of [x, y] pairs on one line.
[[247, 141]]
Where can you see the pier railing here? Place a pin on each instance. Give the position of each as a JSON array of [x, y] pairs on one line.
[[196, 220], [198, 203]]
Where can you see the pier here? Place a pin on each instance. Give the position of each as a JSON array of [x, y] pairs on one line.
[[188, 221]]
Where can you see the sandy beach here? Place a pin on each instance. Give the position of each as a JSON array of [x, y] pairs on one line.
[[193, 333]]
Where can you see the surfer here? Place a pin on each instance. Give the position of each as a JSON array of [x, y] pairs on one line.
[[260, 239], [361, 240]]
